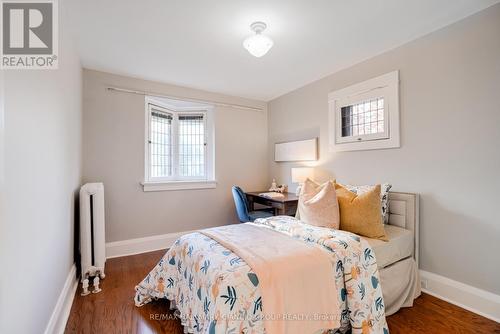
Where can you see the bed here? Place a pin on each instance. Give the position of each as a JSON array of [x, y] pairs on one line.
[[215, 291]]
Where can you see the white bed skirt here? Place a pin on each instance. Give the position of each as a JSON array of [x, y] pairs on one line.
[[400, 285]]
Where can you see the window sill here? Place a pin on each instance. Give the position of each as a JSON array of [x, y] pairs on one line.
[[178, 185]]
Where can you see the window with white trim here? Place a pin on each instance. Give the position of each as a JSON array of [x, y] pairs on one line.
[[179, 145], [364, 119], [366, 115]]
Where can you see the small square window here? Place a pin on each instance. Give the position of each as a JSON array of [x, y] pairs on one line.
[[366, 112], [366, 123]]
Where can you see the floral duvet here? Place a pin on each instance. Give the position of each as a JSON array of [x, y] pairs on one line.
[[215, 291]]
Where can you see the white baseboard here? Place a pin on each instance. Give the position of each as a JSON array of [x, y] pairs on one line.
[[59, 317], [476, 300], [141, 245]]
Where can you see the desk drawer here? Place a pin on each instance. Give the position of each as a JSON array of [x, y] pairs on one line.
[[268, 202]]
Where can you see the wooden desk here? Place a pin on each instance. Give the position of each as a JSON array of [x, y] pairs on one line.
[[286, 205]]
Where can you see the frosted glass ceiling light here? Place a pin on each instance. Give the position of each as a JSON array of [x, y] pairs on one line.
[[258, 44]]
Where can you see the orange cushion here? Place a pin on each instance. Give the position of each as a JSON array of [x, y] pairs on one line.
[[360, 214]]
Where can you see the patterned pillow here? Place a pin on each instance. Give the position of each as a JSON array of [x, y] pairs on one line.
[[384, 196]]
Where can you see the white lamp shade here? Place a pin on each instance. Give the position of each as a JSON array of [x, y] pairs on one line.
[[299, 175], [258, 45]]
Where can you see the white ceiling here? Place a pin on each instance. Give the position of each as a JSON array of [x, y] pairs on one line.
[[199, 43]]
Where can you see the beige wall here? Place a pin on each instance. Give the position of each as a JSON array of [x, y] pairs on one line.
[[450, 155], [41, 174], [113, 153]]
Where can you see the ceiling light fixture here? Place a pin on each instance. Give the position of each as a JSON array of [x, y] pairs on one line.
[[258, 44]]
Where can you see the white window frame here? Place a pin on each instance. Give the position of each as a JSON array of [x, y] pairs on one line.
[[176, 182], [385, 86]]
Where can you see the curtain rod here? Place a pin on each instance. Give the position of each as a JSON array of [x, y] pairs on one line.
[[222, 104]]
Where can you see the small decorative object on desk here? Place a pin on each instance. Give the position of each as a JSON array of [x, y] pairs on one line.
[[274, 186], [278, 189], [282, 188]]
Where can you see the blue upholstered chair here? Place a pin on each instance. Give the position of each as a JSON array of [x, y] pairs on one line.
[[240, 201]]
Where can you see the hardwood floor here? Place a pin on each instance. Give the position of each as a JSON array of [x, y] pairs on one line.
[[113, 309]]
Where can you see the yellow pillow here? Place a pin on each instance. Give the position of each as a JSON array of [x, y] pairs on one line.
[[318, 204], [360, 214]]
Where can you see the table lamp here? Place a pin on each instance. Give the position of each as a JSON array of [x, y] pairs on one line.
[[299, 175]]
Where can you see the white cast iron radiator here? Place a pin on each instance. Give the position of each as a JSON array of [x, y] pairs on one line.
[[92, 243]]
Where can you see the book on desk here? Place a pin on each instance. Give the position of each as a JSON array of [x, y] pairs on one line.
[[272, 195]]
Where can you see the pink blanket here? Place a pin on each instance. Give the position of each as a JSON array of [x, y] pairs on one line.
[[296, 279]]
